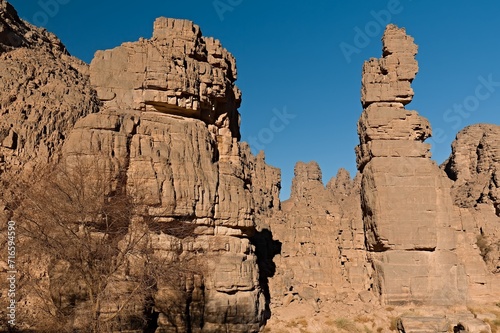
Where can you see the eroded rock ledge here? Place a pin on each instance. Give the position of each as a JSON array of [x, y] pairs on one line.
[[166, 130]]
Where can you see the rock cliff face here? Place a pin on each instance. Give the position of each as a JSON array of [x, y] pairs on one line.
[[44, 92], [322, 257], [474, 165], [159, 117], [405, 197], [166, 128], [403, 232], [169, 120]]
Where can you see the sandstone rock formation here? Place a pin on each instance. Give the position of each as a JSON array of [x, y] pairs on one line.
[[40, 84], [322, 267], [402, 233], [16, 33], [178, 72], [166, 129], [404, 195], [170, 120], [159, 117], [474, 165]]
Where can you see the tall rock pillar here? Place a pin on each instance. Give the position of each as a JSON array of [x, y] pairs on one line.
[[404, 196]]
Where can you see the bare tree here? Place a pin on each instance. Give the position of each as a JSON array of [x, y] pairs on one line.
[[80, 216], [103, 272]]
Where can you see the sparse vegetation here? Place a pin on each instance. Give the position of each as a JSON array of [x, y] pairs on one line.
[[484, 246], [363, 319], [80, 220], [473, 311], [345, 324], [297, 323], [393, 326], [494, 325]]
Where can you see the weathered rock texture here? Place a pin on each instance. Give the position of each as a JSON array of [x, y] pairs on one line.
[[407, 207], [178, 72], [401, 233], [160, 116], [16, 33], [166, 128], [44, 92], [170, 120], [474, 166], [322, 257]]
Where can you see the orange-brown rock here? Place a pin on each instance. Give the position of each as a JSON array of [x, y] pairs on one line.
[[166, 128], [160, 115]]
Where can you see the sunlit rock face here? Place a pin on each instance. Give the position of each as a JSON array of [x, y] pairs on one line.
[[169, 119], [177, 71], [160, 116], [413, 231]]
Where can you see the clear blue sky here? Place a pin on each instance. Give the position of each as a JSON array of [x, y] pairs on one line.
[[289, 57]]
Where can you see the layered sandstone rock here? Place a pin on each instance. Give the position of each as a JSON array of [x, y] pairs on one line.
[[166, 131], [405, 196], [474, 165], [389, 78], [394, 232], [424, 250], [322, 263], [171, 124], [44, 92], [177, 72]]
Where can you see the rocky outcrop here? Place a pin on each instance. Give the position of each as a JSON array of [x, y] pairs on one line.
[[405, 197], [474, 166], [44, 92], [187, 181], [178, 72], [165, 129], [16, 33], [392, 236], [159, 118], [173, 130], [322, 267]]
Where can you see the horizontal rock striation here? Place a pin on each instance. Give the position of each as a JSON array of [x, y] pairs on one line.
[[159, 118], [177, 71], [170, 121], [413, 232]]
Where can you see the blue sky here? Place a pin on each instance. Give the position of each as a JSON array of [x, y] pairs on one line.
[[301, 86]]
